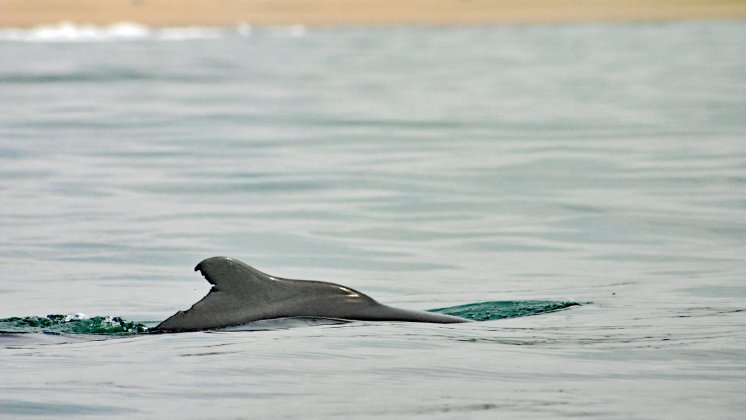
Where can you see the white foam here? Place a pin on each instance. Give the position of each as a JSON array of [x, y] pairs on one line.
[[130, 31], [70, 32], [76, 317], [124, 31], [186, 33]]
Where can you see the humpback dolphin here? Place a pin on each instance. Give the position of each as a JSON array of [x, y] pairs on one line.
[[241, 294]]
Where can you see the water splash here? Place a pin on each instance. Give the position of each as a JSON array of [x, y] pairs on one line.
[[107, 325], [72, 324]]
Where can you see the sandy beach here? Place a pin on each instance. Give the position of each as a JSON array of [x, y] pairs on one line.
[[26, 13]]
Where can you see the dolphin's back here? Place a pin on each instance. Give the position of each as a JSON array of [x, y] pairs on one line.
[[241, 294]]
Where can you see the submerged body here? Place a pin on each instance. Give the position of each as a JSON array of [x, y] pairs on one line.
[[242, 294]]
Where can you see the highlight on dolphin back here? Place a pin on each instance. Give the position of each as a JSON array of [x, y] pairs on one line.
[[241, 294]]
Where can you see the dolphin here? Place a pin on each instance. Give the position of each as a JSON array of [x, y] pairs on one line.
[[242, 294]]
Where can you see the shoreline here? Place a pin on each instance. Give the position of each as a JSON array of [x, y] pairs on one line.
[[315, 13]]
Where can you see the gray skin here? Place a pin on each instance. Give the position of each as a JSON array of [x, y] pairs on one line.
[[242, 294]]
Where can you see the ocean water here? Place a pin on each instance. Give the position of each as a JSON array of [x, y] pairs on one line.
[[603, 164]]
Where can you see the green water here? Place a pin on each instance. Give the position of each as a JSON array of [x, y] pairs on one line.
[[107, 325], [488, 311]]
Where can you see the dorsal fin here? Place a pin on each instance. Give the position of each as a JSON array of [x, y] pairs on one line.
[[241, 294], [242, 281], [231, 275]]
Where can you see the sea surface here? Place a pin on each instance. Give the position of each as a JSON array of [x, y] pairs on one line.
[[603, 164]]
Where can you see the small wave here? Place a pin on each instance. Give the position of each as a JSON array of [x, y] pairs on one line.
[[124, 31]]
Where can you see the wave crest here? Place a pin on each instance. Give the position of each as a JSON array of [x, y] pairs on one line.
[[131, 31]]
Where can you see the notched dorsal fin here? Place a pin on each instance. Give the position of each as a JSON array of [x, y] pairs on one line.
[[237, 288], [241, 294], [229, 274]]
